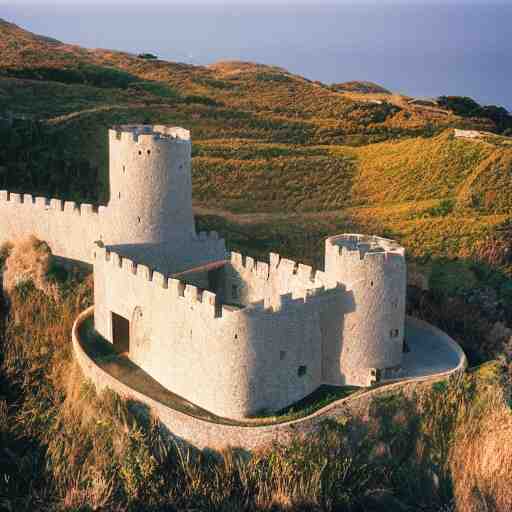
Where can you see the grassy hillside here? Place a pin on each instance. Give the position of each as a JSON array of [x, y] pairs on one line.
[[279, 163], [265, 140], [64, 448]]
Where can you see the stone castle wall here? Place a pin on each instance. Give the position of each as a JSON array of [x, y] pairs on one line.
[[231, 361], [69, 228], [266, 334], [373, 269], [202, 434], [149, 214], [253, 281]]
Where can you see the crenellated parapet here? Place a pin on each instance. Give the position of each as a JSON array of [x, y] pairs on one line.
[[145, 134], [282, 268], [279, 284], [38, 203], [173, 289], [349, 258]]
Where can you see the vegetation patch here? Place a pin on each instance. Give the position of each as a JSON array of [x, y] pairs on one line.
[[85, 74], [88, 451]]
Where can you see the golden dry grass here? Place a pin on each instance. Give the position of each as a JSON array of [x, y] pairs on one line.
[[481, 457], [29, 260]]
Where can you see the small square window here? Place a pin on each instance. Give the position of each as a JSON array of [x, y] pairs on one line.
[[394, 333], [234, 291], [302, 370]]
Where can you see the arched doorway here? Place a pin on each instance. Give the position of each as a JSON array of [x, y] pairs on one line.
[[120, 333]]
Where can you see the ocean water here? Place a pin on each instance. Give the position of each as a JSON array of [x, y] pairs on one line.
[[420, 48]]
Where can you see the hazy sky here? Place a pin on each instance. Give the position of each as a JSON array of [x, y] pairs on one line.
[[423, 48]]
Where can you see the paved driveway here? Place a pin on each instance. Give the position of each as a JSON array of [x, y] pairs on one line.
[[431, 351]]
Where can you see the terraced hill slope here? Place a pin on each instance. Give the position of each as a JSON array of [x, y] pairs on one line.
[[310, 157]]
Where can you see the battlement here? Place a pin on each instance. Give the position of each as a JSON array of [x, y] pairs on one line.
[[149, 133], [285, 282], [44, 203], [283, 268], [195, 297], [363, 247]]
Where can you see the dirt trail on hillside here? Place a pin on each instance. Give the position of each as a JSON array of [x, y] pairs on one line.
[[254, 218]]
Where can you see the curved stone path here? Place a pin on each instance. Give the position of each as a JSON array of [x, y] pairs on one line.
[[433, 356]]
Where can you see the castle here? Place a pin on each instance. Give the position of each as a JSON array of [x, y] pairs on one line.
[[229, 334]]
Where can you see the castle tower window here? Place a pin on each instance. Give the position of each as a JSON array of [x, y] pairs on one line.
[[234, 291], [140, 152], [138, 219], [124, 169], [394, 333], [302, 370], [149, 152], [119, 195], [282, 355]]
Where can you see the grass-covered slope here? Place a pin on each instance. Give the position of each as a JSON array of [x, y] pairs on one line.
[[280, 163], [64, 448], [265, 141]]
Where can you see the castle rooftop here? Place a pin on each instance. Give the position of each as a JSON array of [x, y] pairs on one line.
[[156, 131], [365, 244]]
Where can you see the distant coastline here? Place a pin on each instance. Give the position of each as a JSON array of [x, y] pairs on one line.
[[422, 50]]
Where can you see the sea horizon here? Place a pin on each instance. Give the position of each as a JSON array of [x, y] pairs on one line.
[[421, 49]]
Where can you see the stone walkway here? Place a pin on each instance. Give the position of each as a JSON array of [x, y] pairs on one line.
[[428, 354]]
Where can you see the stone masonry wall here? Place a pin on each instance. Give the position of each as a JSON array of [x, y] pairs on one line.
[[249, 281], [69, 228], [149, 214], [231, 361], [374, 271], [217, 436]]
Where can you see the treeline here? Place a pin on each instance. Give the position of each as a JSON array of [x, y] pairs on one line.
[[468, 107], [34, 160]]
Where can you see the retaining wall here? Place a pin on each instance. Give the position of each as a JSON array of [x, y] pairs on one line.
[[205, 434]]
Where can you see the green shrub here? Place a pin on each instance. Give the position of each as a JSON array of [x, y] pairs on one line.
[[87, 74], [156, 88], [147, 56]]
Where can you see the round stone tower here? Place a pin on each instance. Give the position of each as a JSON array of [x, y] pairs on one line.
[[150, 205], [373, 271]]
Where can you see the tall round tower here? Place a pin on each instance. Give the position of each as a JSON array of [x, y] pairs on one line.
[[150, 205], [373, 272]]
